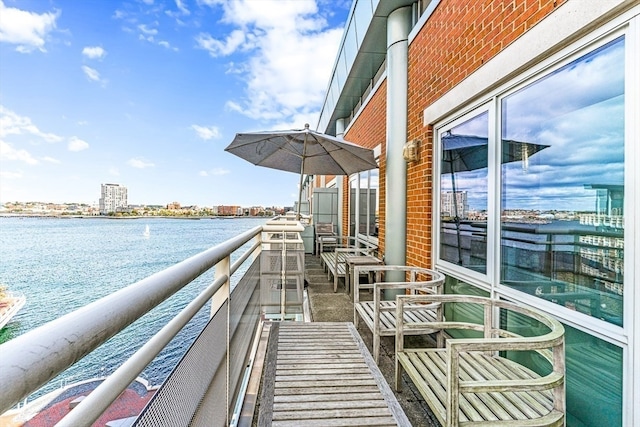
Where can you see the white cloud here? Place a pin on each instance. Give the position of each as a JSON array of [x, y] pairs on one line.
[[27, 30], [51, 160], [206, 133], [221, 47], [144, 29], [292, 54], [14, 124], [215, 172], [7, 152], [167, 45], [182, 8], [94, 52], [76, 144], [91, 73], [10, 175], [140, 163]]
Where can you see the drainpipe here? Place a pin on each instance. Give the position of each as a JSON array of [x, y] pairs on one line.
[[339, 180], [395, 251]]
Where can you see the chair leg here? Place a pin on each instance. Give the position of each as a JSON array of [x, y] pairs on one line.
[[376, 347]]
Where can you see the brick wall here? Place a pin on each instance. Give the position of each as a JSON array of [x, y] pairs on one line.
[[370, 130]]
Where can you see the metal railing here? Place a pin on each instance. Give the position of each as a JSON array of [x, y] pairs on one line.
[[31, 360]]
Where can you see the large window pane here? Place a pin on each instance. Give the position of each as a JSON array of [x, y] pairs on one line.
[[562, 228], [463, 194]]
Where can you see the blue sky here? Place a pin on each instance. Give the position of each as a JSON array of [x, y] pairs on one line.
[[147, 93]]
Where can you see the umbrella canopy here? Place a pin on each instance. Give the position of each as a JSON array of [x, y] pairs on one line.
[[302, 151], [462, 153]]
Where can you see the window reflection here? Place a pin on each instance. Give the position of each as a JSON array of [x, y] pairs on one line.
[[563, 201], [463, 194]]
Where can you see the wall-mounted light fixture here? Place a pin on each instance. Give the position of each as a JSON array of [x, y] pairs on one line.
[[410, 151]]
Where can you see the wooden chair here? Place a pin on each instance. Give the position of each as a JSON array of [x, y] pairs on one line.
[[478, 380], [379, 315]]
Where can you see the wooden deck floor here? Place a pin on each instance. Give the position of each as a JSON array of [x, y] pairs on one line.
[[321, 374]]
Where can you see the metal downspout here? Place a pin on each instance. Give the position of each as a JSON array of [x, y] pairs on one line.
[[395, 252], [340, 181]]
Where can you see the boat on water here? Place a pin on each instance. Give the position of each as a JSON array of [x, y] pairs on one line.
[[10, 304]]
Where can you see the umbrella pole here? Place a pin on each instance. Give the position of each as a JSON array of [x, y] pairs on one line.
[[304, 149], [456, 218]]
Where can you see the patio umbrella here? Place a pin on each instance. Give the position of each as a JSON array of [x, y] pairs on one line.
[[463, 153], [302, 151]]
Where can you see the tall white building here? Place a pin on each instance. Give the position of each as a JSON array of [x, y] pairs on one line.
[[112, 197], [448, 209]]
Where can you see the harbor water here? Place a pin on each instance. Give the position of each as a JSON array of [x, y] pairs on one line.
[[61, 264]]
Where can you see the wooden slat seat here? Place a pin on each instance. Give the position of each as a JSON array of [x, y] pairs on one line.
[[475, 381], [335, 262], [380, 315], [322, 374]]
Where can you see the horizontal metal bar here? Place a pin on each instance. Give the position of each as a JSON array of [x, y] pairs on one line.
[[244, 257]]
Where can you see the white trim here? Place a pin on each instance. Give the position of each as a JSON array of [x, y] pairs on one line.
[[631, 319], [564, 26]]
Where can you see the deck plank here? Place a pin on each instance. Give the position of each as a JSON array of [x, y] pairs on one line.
[[323, 374]]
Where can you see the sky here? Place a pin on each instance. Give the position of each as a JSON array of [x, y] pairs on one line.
[[148, 93], [576, 114]]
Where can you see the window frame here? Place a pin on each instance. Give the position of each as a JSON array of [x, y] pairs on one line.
[[479, 279]]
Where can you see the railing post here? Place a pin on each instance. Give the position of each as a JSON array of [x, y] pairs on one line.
[[224, 268]]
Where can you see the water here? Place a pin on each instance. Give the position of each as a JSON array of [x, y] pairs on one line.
[[63, 264]]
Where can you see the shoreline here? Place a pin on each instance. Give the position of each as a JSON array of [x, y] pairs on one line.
[[58, 216]]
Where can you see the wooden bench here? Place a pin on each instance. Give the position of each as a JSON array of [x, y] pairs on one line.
[[334, 262], [477, 381], [380, 315]]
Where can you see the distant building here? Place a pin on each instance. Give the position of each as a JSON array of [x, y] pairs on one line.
[[229, 210], [461, 207], [113, 197]]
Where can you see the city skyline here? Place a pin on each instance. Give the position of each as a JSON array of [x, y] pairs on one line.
[[149, 93]]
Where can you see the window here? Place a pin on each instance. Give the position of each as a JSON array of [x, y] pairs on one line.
[[563, 185], [463, 193], [559, 180]]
